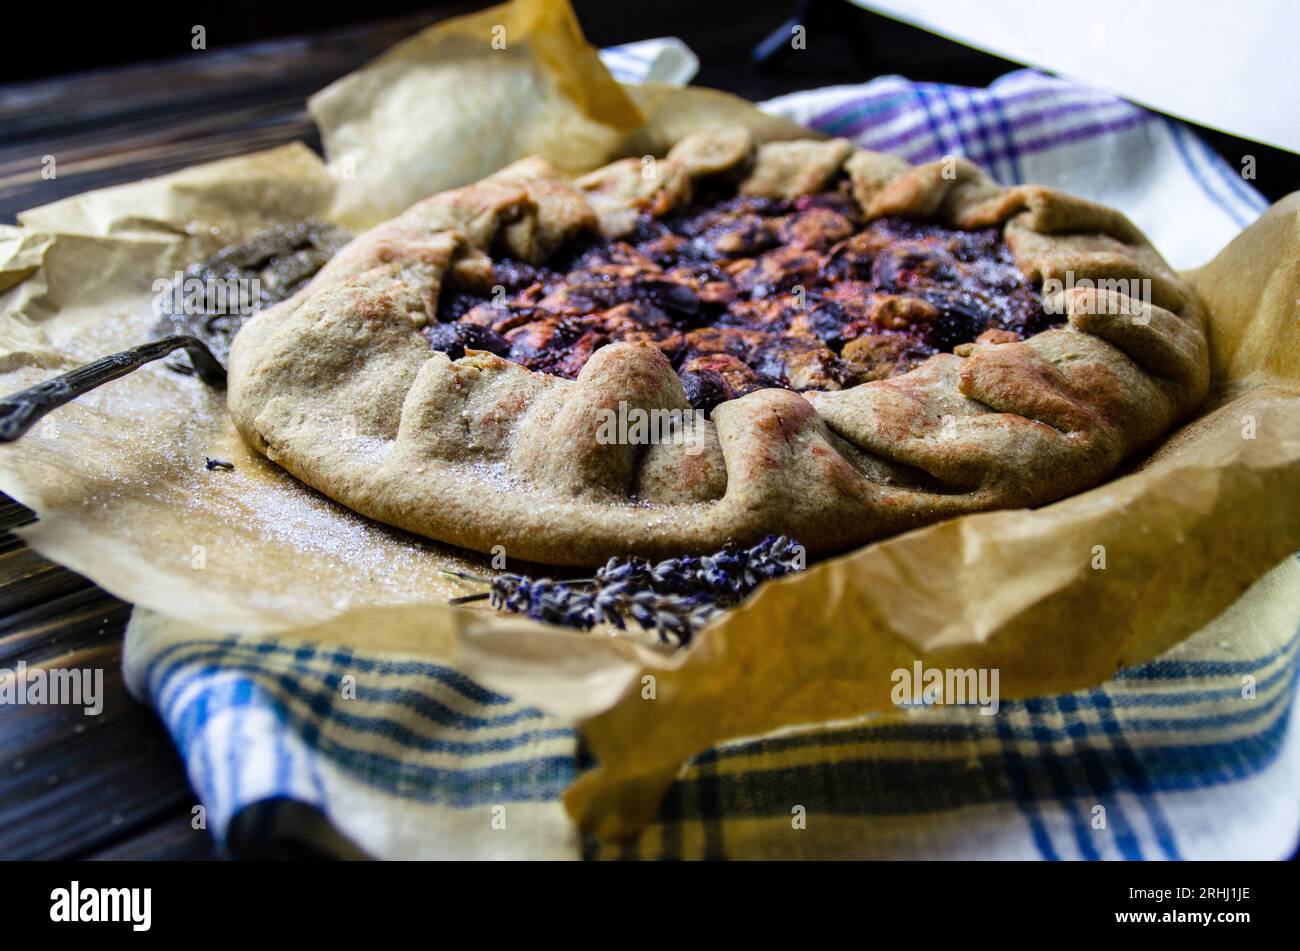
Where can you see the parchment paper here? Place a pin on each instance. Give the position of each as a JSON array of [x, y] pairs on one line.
[[458, 101], [123, 496]]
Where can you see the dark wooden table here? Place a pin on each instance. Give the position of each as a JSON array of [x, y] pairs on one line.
[[113, 786]]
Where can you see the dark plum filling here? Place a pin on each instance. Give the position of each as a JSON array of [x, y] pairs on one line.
[[748, 293]]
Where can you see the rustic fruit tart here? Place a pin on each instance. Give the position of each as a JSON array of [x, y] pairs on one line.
[[845, 347]]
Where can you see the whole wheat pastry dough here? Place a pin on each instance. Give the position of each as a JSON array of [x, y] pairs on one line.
[[339, 385]]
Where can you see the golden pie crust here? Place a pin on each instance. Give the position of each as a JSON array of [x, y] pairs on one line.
[[340, 387]]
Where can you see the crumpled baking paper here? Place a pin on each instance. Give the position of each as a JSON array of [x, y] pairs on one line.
[[119, 482], [467, 97]]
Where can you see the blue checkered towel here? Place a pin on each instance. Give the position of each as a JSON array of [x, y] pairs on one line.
[[1189, 756]]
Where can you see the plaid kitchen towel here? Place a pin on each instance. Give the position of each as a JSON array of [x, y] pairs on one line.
[[1190, 756], [666, 60]]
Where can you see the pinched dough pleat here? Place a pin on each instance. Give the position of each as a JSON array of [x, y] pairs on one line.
[[1093, 258], [786, 474], [692, 470], [1042, 210], [482, 407], [936, 190], [620, 192], [531, 239], [333, 367], [579, 440], [1079, 385], [791, 169], [1158, 340], [920, 419], [703, 154], [1135, 406], [472, 270], [389, 243], [527, 207], [555, 214], [470, 408], [1013, 378], [476, 211], [782, 471], [870, 172]]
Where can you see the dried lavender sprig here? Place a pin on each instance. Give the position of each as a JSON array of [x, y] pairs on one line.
[[729, 574], [675, 597], [672, 617]]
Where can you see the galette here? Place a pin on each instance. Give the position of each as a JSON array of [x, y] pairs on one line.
[[736, 339]]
